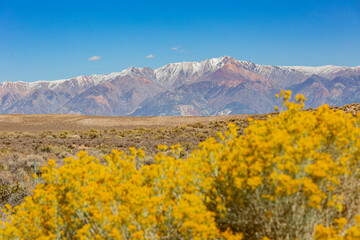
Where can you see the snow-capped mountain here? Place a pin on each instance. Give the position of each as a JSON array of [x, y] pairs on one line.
[[211, 87]]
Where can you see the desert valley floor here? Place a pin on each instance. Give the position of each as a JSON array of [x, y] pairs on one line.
[[61, 122]]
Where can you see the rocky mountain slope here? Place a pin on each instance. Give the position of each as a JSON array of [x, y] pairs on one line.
[[218, 86]]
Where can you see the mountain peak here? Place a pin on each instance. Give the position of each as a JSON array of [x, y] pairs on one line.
[[227, 58], [222, 60]]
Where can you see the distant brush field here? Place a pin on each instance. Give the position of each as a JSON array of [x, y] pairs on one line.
[[25, 138]]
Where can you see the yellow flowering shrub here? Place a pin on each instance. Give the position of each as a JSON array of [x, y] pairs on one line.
[[87, 199], [294, 176], [285, 175]]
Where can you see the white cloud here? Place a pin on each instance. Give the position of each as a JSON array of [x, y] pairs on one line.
[[177, 48], [150, 56], [94, 58]]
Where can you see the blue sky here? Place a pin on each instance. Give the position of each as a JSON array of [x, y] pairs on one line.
[[48, 40]]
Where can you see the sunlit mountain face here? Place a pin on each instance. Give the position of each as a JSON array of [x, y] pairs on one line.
[[218, 86]]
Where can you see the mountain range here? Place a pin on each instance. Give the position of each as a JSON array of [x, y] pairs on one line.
[[217, 86]]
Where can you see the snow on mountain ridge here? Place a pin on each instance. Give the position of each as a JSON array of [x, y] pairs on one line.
[[173, 74], [170, 75], [323, 71]]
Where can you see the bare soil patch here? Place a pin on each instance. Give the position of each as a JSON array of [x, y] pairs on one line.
[[56, 122]]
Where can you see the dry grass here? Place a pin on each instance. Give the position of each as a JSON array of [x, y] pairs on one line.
[[19, 149]]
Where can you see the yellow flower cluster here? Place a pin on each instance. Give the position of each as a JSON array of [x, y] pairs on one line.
[[87, 199], [336, 231], [286, 175], [294, 176]]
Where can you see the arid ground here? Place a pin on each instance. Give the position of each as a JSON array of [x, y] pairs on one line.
[[61, 122]]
